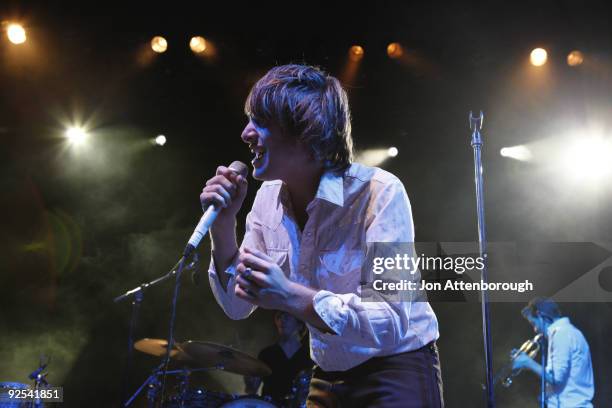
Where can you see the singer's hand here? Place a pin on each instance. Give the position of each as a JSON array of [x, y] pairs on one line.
[[261, 281], [225, 190]]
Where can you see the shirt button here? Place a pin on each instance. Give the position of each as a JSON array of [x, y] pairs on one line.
[[309, 234]]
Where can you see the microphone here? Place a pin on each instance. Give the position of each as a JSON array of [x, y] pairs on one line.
[[239, 168]]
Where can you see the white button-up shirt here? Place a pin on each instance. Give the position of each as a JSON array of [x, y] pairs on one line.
[[363, 205], [569, 366]]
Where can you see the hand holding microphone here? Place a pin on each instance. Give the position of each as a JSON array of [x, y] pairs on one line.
[[226, 190], [221, 198]]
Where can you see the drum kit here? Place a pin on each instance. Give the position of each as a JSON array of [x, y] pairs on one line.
[[191, 357], [182, 359], [178, 364], [9, 389]]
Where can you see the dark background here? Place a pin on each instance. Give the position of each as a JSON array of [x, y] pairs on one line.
[[81, 226]]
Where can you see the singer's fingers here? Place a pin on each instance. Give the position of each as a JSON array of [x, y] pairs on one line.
[[254, 276], [258, 254], [253, 261], [226, 172], [242, 188], [252, 284], [242, 294], [213, 198], [222, 181], [246, 284], [222, 192], [238, 179], [232, 176], [222, 170]]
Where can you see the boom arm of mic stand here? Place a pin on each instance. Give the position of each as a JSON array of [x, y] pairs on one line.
[[154, 282]]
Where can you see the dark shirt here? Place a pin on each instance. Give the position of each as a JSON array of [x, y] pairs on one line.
[[284, 370]]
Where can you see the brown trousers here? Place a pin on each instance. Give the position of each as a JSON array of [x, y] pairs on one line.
[[407, 380]]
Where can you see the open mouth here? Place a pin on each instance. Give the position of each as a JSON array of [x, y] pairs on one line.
[[258, 154]]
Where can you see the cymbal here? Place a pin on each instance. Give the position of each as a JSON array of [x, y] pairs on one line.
[[158, 347], [209, 354]]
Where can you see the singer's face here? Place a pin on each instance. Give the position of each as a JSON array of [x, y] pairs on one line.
[[274, 154]]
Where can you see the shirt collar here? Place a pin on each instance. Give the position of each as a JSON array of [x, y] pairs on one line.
[[562, 321], [331, 188]]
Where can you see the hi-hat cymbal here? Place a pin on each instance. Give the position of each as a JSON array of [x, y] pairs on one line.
[[209, 354], [158, 347]]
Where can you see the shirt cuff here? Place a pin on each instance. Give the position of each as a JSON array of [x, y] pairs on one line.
[[330, 309], [231, 269]]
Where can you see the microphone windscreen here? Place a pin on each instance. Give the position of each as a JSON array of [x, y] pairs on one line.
[[239, 168]]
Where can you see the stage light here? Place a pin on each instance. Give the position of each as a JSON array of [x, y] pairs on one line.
[[160, 140], [197, 44], [16, 34], [588, 158], [159, 44], [395, 50], [575, 58], [356, 53], [519, 152], [376, 157], [538, 57], [76, 135]]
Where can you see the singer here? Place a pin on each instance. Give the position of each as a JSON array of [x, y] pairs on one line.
[[305, 240]]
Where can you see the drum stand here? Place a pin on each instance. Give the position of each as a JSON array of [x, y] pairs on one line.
[[153, 383]]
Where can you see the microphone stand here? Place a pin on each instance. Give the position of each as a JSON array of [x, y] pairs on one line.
[[543, 357], [177, 286], [475, 126], [138, 295]]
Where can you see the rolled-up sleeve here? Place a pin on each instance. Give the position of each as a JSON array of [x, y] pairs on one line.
[[234, 307], [377, 324]]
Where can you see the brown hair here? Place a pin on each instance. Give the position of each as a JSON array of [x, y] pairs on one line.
[[308, 104], [542, 307]]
